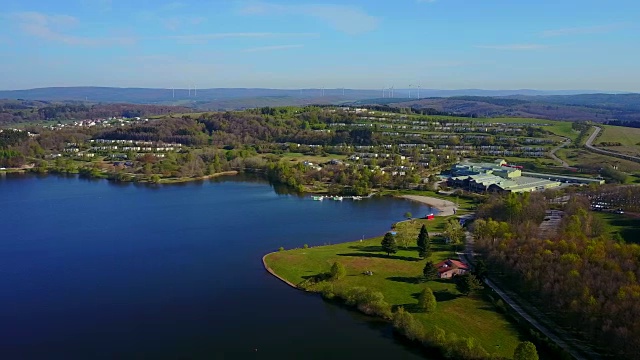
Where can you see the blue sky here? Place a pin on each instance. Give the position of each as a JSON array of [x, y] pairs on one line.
[[445, 44]]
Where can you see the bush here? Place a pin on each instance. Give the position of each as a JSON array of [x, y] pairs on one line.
[[407, 325], [338, 271], [426, 300]]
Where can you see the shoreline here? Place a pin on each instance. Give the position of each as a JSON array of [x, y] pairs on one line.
[[445, 207], [270, 271], [199, 178]]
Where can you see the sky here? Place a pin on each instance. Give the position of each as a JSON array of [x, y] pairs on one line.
[[360, 44]]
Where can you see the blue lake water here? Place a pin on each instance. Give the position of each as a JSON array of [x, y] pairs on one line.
[[94, 269]]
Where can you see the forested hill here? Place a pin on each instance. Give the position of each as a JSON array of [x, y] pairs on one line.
[[594, 107]]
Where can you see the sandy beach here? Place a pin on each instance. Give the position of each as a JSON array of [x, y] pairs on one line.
[[445, 207]]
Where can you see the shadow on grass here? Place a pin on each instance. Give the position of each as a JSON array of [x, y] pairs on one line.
[[366, 248], [412, 308], [380, 256], [318, 277], [442, 296], [406, 279]]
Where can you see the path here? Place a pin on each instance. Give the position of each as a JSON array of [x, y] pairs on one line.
[[571, 346], [589, 145], [566, 142]]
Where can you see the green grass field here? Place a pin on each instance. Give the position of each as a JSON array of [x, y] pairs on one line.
[[396, 278], [625, 225], [316, 159], [629, 138], [562, 128], [625, 135], [577, 157]]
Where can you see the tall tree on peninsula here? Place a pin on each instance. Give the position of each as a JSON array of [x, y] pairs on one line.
[[389, 244], [424, 243]]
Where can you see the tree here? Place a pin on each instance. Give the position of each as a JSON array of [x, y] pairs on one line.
[[408, 215], [430, 272], [426, 300], [424, 243], [389, 244], [525, 351], [454, 232], [481, 269], [338, 271], [468, 283]]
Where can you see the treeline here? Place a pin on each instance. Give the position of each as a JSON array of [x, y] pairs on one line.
[[631, 124], [492, 100], [587, 279], [12, 137]]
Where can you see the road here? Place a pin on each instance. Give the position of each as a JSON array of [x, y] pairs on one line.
[[557, 336], [589, 145], [566, 142]]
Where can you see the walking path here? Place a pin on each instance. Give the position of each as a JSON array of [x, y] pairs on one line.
[[566, 142]]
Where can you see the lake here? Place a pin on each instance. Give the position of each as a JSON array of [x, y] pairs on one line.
[[95, 269]]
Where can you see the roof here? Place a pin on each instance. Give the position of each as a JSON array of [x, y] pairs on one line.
[[449, 264]]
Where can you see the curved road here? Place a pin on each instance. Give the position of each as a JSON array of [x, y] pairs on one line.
[[589, 145], [566, 142]]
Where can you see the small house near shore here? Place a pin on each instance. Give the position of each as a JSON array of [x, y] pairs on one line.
[[450, 268]]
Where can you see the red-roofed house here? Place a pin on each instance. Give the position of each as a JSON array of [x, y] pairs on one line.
[[450, 268]]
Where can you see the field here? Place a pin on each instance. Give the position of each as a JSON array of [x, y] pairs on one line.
[[396, 278], [586, 158], [563, 128], [299, 157], [629, 138]]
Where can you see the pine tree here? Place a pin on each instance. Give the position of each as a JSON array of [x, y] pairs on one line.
[[430, 272], [424, 243], [468, 283], [426, 300], [389, 244]]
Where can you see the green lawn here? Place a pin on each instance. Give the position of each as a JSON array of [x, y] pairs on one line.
[[563, 128], [627, 226], [316, 159], [395, 277]]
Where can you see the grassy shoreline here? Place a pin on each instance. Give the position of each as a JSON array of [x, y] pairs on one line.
[[396, 277]]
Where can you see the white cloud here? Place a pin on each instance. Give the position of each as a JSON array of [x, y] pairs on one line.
[[272, 48], [344, 18], [55, 28], [522, 47], [582, 30]]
